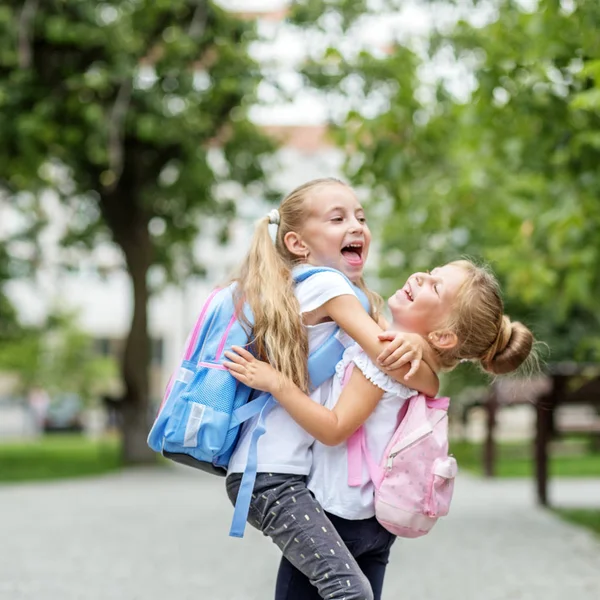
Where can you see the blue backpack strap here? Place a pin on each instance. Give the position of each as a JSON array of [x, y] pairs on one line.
[[242, 504], [322, 361]]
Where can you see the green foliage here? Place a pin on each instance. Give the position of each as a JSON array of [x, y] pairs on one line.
[[589, 517], [57, 457], [128, 97], [506, 172], [59, 357], [515, 459]]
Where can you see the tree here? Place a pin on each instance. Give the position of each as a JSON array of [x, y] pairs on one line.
[[115, 106], [505, 170]]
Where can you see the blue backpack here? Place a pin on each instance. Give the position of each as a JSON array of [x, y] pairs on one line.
[[199, 419]]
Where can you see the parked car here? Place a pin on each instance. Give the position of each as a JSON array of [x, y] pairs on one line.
[[65, 414]]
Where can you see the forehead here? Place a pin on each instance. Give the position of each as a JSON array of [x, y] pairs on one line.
[[326, 197], [453, 276]]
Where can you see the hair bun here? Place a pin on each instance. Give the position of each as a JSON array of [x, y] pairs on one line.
[[510, 349]]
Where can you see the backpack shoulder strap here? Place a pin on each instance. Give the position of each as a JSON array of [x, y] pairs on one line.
[[304, 272], [357, 452]]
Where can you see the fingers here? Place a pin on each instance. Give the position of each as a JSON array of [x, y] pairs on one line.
[[236, 358], [234, 367], [414, 367], [243, 353], [231, 367], [387, 336], [398, 357]]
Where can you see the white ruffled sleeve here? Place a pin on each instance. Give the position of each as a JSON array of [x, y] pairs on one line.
[[356, 355]]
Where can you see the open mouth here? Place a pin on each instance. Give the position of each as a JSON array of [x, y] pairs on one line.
[[353, 253], [408, 292]]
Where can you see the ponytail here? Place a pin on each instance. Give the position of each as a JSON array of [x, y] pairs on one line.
[[265, 282]]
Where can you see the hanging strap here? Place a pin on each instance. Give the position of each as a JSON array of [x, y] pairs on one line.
[[248, 410], [242, 505], [357, 452]]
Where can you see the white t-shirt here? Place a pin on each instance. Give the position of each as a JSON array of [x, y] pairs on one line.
[[285, 447], [328, 479]]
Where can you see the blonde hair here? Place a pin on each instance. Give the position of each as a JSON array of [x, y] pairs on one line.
[[265, 282], [485, 334]]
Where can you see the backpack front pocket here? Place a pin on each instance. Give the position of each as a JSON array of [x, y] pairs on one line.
[[441, 486]]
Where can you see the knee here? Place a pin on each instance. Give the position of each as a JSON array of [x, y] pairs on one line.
[[367, 591], [363, 589]]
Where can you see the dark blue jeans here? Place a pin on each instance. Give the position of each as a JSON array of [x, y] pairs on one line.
[[366, 540]]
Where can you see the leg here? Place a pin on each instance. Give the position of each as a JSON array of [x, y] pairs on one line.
[[292, 584], [373, 565], [293, 519], [370, 544]]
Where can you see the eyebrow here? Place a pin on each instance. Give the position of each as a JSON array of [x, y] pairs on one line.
[[343, 209]]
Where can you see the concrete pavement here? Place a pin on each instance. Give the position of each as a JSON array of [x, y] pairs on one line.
[[161, 534]]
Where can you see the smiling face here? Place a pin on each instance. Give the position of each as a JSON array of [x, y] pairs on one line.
[[335, 233], [426, 301]]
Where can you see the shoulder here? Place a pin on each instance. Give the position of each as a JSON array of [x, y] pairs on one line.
[[321, 287]]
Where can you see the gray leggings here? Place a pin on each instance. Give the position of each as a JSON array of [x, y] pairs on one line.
[[284, 509]]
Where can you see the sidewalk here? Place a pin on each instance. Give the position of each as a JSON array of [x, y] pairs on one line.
[[162, 534]]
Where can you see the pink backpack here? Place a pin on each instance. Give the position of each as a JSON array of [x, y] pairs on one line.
[[415, 481]]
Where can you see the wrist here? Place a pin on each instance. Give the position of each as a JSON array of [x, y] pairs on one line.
[[282, 386]]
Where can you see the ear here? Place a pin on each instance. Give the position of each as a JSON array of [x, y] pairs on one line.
[[444, 339], [295, 245]]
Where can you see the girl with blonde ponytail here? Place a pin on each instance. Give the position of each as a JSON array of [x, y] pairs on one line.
[[321, 223]]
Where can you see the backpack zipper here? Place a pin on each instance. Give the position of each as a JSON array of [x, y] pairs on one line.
[[393, 455]]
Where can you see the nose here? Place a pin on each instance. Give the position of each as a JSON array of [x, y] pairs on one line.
[[421, 278], [356, 226]]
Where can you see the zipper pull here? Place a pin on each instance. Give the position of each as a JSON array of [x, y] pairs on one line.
[[390, 460]]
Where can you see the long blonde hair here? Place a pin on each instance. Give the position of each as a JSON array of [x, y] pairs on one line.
[[265, 282], [485, 334]]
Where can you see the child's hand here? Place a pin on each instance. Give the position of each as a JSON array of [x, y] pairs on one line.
[[403, 348], [255, 373]]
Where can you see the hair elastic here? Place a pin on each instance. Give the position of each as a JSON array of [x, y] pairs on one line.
[[274, 217]]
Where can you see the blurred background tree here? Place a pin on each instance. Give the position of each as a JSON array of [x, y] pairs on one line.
[[495, 157], [115, 106]]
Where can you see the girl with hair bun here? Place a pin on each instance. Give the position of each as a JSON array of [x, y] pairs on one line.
[[458, 309]]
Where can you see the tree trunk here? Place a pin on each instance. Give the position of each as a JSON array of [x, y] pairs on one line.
[[135, 407]]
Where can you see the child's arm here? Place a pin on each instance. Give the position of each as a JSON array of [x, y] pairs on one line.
[[330, 426], [349, 314]]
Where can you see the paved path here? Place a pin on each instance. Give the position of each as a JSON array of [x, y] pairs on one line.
[[162, 535]]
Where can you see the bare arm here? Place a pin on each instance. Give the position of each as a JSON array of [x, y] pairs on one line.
[[349, 314], [330, 426]]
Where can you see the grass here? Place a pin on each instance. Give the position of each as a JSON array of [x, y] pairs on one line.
[[586, 517], [516, 460], [56, 457]]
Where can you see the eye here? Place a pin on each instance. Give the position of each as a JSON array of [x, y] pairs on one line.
[[362, 219], [337, 219]]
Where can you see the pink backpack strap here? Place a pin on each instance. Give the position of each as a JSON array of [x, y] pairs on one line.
[[191, 343], [355, 463], [357, 451], [438, 403], [190, 347]]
